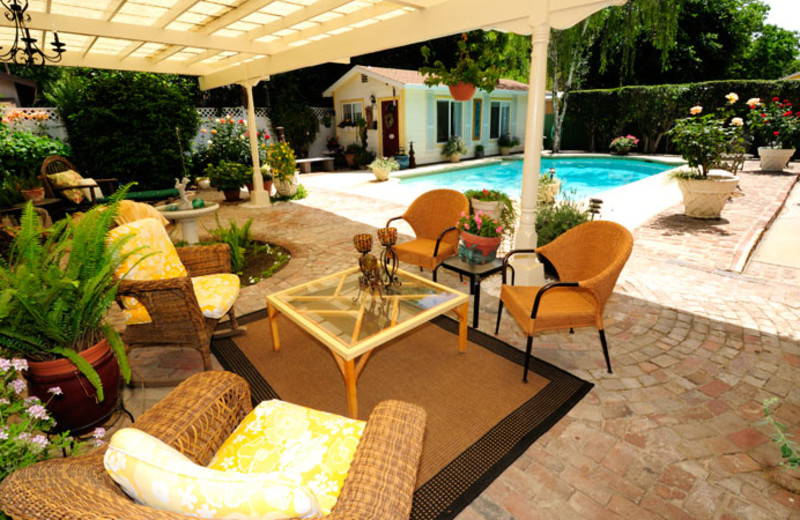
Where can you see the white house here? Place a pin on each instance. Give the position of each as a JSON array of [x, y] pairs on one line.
[[400, 109]]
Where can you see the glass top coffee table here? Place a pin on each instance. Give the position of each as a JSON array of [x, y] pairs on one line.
[[352, 323]]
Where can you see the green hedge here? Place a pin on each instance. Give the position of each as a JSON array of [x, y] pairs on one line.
[[134, 127], [649, 111]]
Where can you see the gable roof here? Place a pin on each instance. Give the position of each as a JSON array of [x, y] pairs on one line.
[[401, 78], [796, 75]]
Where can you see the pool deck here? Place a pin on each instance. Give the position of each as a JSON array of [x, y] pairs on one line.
[[703, 325]]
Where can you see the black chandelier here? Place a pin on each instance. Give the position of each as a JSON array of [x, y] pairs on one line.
[[24, 50]]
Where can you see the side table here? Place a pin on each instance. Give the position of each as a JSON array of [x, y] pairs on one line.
[[476, 273]]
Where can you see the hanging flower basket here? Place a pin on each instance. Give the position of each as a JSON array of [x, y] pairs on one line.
[[462, 91]]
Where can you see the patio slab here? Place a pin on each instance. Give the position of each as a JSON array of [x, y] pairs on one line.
[[695, 344]]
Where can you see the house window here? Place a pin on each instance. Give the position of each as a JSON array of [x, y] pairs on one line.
[[448, 120], [499, 119], [352, 111], [477, 118]]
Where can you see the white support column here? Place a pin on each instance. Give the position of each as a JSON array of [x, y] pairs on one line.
[[258, 198], [528, 269]]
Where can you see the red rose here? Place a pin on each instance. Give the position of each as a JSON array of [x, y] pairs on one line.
[[776, 133], [788, 113], [776, 98]]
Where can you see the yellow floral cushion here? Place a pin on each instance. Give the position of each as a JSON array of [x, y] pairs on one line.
[[150, 237], [157, 475], [306, 446], [67, 178], [215, 293]]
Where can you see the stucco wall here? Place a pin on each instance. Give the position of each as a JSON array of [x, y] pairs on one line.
[[354, 90]]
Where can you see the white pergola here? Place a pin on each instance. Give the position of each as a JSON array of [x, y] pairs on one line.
[[245, 41]]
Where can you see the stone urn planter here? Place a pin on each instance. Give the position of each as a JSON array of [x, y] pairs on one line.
[[455, 157], [493, 208], [549, 192], [77, 408], [381, 174], [475, 249], [705, 198], [774, 159], [287, 188], [505, 150]]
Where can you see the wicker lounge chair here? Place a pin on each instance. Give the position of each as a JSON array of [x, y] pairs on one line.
[[176, 312], [195, 419], [432, 216], [588, 259]]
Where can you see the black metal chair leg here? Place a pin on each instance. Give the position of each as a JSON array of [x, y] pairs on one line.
[[605, 350], [571, 330], [434, 272], [527, 358], [499, 315]]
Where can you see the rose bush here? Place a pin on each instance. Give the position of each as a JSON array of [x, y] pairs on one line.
[[775, 123]]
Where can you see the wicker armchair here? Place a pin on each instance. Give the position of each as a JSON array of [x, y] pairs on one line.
[[588, 259], [432, 216], [195, 419], [56, 164], [172, 304]]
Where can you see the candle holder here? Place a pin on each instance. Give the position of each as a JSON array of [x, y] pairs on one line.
[[370, 279], [388, 238]]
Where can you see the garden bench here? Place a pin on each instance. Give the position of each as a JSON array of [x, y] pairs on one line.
[[305, 164]]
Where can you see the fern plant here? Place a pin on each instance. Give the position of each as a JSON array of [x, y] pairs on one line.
[[57, 286], [240, 240]]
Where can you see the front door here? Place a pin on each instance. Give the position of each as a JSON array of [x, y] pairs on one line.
[[390, 126]]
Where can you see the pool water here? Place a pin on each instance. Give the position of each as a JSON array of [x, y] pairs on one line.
[[581, 177]]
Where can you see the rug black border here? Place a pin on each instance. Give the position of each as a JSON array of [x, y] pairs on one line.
[[234, 360]]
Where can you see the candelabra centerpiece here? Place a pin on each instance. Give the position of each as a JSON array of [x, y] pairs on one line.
[[377, 276]]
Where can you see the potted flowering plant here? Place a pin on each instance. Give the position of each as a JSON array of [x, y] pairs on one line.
[[283, 165], [454, 148], [623, 144], [465, 77], [228, 139], [495, 204], [480, 236], [383, 166], [703, 140], [229, 177], [778, 127]]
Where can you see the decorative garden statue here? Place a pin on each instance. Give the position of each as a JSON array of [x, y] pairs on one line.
[[180, 185]]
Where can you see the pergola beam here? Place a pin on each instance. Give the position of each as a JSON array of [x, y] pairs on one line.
[[296, 17], [116, 30]]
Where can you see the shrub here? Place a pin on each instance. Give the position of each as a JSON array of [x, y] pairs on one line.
[[554, 219], [385, 163], [508, 141], [21, 157], [281, 161], [228, 176], [133, 126], [364, 157], [455, 145], [228, 140], [240, 239], [650, 111]]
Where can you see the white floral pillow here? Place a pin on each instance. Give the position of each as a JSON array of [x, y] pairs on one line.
[[156, 475]]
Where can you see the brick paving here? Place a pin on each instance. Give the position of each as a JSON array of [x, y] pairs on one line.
[[696, 346]]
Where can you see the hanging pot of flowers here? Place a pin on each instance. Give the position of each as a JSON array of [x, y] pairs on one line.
[[466, 76], [778, 127], [480, 237]]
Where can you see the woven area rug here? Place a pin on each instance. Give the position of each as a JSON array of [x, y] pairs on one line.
[[481, 417]]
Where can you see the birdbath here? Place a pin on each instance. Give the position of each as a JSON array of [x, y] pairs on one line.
[[187, 218]]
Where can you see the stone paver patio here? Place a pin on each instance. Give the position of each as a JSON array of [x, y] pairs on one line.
[[697, 341]]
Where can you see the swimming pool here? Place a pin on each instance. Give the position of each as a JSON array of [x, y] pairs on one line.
[[587, 176]]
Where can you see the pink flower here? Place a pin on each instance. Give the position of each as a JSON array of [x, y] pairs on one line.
[[38, 411], [99, 433], [463, 214], [466, 226], [19, 364], [55, 390], [499, 230], [18, 385], [5, 364], [4, 434]]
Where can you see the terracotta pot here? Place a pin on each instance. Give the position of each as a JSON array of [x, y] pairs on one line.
[[77, 408], [268, 186], [249, 186], [474, 249], [774, 159], [350, 158], [232, 195], [705, 198], [462, 91], [33, 194]]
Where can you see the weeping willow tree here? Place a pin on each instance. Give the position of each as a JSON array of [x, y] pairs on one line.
[[613, 33]]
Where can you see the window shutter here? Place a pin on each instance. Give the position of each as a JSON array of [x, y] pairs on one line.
[[430, 122]]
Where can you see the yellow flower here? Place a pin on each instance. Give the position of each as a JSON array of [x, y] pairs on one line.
[[732, 98], [753, 101], [737, 121], [695, 110]]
